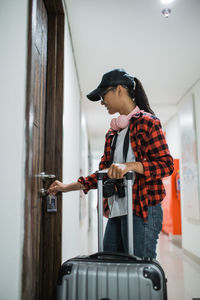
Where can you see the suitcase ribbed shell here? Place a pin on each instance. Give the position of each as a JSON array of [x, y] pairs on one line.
[[111, 281]]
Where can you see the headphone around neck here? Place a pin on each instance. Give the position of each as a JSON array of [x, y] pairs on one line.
[[122, 121]]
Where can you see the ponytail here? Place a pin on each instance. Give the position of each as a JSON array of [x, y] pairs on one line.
[[140, 96]]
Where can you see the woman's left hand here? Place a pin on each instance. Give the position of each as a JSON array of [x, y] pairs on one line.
[[117, 171]]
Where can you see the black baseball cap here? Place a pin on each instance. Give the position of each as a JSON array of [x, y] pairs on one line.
[[112, 78]]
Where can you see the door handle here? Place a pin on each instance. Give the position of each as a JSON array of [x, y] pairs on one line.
[[44, 176]]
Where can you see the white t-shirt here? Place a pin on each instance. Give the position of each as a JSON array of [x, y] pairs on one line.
[[118, 206]]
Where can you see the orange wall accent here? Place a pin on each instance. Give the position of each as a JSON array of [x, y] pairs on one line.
[[172, 204]]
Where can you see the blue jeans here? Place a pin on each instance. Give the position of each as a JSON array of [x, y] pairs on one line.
[[145, 234]]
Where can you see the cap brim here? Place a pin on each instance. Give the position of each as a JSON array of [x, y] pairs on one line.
[[95, 95]]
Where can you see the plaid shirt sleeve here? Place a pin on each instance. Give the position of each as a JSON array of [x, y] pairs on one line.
[[159, 163]]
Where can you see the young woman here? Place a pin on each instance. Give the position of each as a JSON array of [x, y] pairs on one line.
[[135, 142]]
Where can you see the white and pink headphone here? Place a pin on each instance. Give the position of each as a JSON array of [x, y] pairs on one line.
[[122, 121]]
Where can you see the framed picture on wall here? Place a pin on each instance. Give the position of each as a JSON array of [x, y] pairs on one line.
[[189, 159]]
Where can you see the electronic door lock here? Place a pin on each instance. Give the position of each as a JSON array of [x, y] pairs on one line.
[[51, 200]]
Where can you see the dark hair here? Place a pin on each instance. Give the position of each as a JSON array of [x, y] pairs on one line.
[[140, 96]]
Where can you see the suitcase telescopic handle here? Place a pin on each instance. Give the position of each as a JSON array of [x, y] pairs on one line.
[[113, 255], [129, 178]]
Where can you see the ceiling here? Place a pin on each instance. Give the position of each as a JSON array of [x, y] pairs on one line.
[[164, 53]]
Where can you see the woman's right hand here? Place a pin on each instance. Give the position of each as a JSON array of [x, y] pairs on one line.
[[57, 186]]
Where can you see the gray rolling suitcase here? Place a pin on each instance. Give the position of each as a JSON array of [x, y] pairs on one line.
[[112, 276]]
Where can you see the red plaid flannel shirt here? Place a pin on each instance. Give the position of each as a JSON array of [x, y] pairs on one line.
[[150, 148]]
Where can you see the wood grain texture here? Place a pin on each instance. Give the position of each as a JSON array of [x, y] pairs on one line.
[[53, 222], [44, 114], [54, 6]]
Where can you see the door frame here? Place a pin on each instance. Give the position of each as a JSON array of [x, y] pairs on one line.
[[52, 223]]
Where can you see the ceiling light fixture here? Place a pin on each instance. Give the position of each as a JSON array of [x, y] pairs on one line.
[[166, 1], [166, 12]]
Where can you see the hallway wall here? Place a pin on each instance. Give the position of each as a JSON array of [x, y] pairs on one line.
[[13, 53], [74, 231], [190, 228]]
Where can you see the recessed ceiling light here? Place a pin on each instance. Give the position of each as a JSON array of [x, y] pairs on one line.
[[166, 12], [166, 1]]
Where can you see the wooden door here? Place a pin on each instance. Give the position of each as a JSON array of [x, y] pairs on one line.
[[44, 110]]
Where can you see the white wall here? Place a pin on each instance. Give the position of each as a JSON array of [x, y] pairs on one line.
[[74, 235], [190, 229], [173, 136], [13, 32], [84, 199]]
